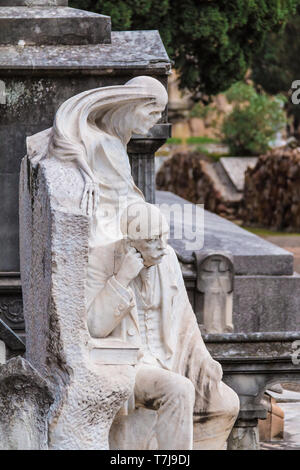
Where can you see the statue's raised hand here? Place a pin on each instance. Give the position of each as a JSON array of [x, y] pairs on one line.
[[131, 267]]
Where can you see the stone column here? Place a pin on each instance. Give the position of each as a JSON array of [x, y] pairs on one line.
[[244, 435], [141, 152]]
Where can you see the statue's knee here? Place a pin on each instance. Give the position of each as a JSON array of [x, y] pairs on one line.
[[233, 402], [185, 390]]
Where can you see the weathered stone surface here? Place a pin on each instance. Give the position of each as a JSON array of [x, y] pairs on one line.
[[266, 303], [54, 261], [25, 399], [129, 50], [31, 3], [36, 25], [252, 362], [244, 437]]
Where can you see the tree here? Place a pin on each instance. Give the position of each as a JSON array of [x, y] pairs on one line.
[[254, 121], [276, 66], [211, 42]]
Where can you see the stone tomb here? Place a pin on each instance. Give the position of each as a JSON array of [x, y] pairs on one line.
[[90, 283], [50, 53]]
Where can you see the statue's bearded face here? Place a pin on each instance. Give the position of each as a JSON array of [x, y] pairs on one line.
[[147, 230], [152, 250]]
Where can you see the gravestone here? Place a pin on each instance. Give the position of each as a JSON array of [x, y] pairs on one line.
[[235, 168]]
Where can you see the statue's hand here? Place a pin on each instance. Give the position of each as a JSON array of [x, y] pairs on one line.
[[90, 197], [131, 266]]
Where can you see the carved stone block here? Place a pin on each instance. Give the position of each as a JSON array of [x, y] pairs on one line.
[[25, 399]]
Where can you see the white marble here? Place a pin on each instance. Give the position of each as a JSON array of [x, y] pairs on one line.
[[215, 282], [143, 300], [99, 277]]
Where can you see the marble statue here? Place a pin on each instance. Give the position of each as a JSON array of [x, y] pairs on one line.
[[108, 320], [145, 303]]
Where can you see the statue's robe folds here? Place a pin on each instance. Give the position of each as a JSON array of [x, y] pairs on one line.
[[178, 347]]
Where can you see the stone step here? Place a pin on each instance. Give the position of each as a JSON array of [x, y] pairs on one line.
[[286, 397], [43, 25]]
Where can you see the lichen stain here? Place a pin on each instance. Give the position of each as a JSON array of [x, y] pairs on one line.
[[20, 94]]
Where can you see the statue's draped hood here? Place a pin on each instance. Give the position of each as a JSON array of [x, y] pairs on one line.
[[93, 129]]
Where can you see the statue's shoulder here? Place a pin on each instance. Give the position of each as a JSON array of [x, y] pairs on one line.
[[172, 258]]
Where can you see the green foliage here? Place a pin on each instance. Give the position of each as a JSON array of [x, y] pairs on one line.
[[200, 110], [211, 42], [254, 120], [276, 65], [174, 141], [201, 140]]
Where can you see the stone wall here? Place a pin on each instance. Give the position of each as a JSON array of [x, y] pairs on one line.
[[272, 191]]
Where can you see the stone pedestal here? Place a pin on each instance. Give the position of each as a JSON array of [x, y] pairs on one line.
[[244, 436], [251, 363], [25, 399]]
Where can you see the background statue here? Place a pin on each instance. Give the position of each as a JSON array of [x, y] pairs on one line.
[[215, 281]]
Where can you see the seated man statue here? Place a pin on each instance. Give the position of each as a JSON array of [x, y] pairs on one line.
[[145, 302]]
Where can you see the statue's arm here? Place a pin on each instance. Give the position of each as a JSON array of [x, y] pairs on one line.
[[109, 308], [91, 194]]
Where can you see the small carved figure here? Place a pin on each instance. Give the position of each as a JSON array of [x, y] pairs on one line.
[[215, 282]]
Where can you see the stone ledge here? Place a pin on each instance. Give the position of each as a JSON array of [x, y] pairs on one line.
[[50, 26], [129, 51], [252, 255], [251, 362], [31, 3]]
